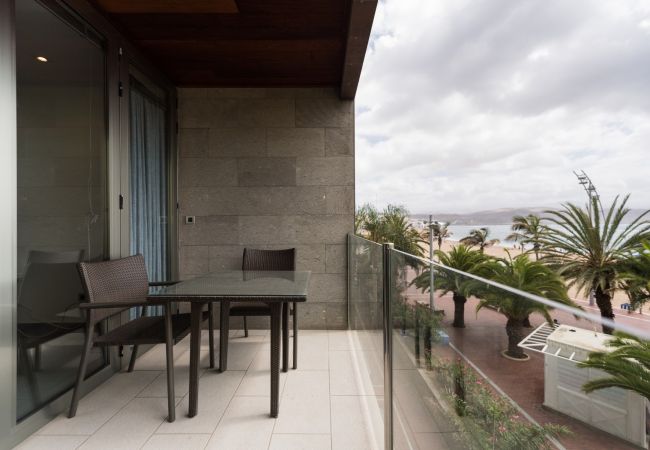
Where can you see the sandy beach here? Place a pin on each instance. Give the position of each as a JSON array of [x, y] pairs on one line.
[[502, 252]]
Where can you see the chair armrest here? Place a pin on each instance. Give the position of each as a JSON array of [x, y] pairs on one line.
[[121, 304], [163, 283]]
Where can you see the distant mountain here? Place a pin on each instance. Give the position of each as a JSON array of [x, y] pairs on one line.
[[501, 216]]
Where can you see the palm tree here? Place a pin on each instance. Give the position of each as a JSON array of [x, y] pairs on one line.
[[591, 249], [440, 232], [400, 232], [636, 278], [462, 258], [479, 238], [389, 225], [368, 222], [527, 275], [628, 365], [528, 230]]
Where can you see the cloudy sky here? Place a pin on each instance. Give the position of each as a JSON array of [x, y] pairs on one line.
[[467, 105]]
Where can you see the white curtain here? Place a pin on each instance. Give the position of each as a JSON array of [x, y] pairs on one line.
[[148, 182]]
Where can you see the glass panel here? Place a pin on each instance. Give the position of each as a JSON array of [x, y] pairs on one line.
[[366, 325], [461, 379], [420, 419], [61, 197]]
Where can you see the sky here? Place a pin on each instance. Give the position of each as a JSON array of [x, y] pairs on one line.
[[468, 105]]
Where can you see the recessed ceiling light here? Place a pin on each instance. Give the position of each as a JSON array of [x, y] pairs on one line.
[[41, 58]]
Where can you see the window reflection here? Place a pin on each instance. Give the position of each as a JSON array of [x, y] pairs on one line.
[[61, 196]]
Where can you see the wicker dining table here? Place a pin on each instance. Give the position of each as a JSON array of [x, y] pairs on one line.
[[275, 288]]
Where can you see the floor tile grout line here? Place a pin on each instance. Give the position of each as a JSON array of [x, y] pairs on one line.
[[214, 430], [84, 441], [124, 406], [37, 433]]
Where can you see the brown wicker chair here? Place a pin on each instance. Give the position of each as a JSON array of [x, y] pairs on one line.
[[112, 287], [261, 260]]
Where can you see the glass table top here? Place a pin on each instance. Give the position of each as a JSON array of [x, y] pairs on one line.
[[239, 283]]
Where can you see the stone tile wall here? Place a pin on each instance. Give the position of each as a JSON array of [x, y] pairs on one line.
[[269, 168]]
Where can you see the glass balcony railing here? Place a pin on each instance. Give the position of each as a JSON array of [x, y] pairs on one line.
[[481, 364]]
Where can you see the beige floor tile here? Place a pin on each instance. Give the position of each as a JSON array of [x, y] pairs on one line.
[[52, 442], [347, 377], [257, 380], [96, 408], [246, 425], [155, 359], [241, 353], [131, 427], [339, 340], [215, 393], [158, 388], [356, 423], [305, 406], [313, 351], [300, 442], [177, 442]]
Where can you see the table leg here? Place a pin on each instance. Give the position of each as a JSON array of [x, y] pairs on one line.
[[195, 356], [224, 330], [285, 336], [276, 312]]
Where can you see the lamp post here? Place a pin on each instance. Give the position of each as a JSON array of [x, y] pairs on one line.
[[431, 289], [592, 194]]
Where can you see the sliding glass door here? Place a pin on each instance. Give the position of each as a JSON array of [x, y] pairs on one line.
[[61, 196]]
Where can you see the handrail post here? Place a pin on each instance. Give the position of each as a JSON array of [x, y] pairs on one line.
[[388, 347], [348, 261]]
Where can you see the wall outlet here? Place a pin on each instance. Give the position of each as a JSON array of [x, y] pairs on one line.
[[190, 219]]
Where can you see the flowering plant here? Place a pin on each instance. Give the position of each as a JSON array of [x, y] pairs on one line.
[[486, 420]]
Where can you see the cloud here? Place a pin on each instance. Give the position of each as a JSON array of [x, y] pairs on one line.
[[468, 105]]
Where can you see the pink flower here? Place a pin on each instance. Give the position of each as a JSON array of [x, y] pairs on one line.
[[502, 429], [479, 382], [515, 417]]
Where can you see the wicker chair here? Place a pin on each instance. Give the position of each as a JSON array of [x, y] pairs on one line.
[[261, 260], [111, 287], [49, 291]]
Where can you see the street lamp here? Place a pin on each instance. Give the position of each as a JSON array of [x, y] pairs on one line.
[[431, 289]]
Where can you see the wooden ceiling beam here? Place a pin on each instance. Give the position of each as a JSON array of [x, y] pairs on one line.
[[228, 26], [362, 14], [168, 6]]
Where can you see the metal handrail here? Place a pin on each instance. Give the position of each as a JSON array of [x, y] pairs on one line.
[[536, 298]]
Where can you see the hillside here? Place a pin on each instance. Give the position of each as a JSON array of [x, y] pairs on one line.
[[500, 216]]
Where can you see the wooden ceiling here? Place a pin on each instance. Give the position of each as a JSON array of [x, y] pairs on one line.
[[249, 42]]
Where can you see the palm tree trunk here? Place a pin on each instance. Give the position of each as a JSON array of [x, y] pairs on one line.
[[604, 302], [515, 331], [459, 311]]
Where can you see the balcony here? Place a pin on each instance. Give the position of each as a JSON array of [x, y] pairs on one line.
[[336, 398]]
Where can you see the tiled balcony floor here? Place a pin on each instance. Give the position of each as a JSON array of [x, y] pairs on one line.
[[325, 404]]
